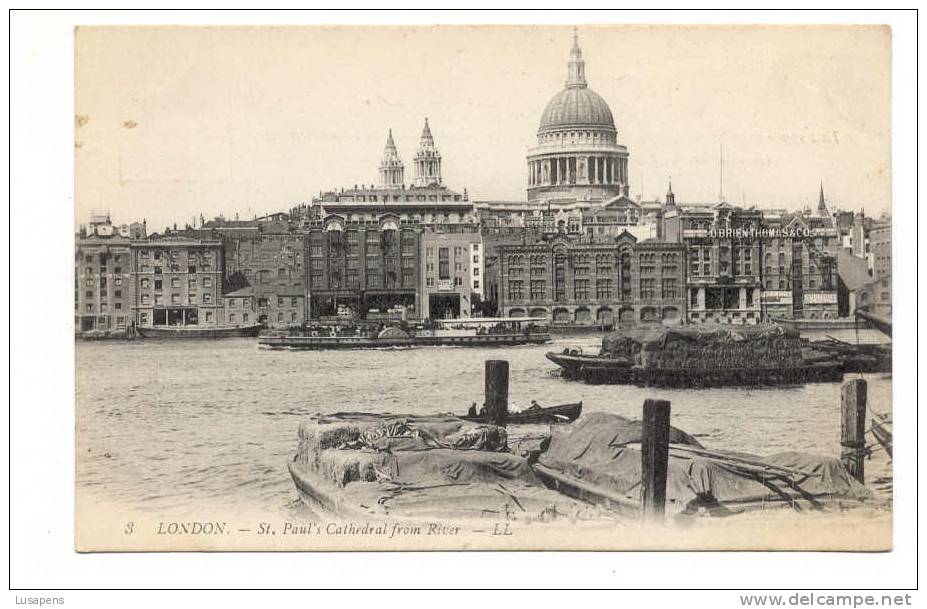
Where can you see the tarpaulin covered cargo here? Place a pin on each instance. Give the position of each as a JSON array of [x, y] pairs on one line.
[[601, 454], [418, 466], [707, 347]]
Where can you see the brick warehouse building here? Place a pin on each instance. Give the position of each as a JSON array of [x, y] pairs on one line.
[[723, 277], [269, 267], [103, 287], [177, 281], [363, 270], [573, 281]]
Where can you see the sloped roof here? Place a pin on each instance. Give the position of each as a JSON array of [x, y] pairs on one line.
[[853, 271]]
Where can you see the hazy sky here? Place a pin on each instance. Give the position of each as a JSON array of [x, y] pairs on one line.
[[174, 122]]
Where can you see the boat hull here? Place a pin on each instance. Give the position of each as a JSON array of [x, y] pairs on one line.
[[576, 362], [580, 328], [564, 413], [822, 324], [198, 332], [595, 370], [321, 343]]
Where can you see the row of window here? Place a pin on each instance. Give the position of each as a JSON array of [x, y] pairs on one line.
[[104, 307], [262, 302], [245, 317], [146, 283], [89, 294], [604, 289], [146, 299], [159, 254]]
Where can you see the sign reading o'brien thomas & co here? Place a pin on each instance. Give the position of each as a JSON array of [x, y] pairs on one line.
[[761, 232]]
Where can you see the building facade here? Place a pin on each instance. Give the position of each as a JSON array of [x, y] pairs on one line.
[[874, 296], [747, 266], [577, 282], [271, 265], [880, 249], [284, 307], [103, 287], [363, 271], [799, 269], [177, 281], [723, 256], [452, 277]]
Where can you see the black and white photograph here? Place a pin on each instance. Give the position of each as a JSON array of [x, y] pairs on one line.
[[571, 286], [330, 297]]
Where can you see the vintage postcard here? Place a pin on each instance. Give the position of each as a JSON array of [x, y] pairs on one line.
[[579, 287]]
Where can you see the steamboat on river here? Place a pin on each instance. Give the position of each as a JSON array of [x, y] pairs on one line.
[[473, 332]]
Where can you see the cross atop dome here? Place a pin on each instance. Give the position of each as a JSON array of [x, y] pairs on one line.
[[576, 69]]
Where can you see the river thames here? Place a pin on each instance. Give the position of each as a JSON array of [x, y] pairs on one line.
[[168, 426]]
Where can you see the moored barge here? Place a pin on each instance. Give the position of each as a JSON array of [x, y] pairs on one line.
[[699, 357], [197, 331]]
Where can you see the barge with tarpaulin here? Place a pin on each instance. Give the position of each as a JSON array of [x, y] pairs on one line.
[[699, 356], [472, 332]]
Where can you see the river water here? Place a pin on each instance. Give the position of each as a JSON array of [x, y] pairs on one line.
[[165, 426]]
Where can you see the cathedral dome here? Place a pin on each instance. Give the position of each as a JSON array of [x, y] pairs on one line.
[[576, 107]]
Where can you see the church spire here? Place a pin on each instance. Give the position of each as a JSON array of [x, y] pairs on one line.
[[391, 167], [427, 160], [426, 134], [670, 196], [576, 68], [822, 207]]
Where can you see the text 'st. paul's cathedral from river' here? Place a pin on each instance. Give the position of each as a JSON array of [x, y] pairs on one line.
[[577, 157]]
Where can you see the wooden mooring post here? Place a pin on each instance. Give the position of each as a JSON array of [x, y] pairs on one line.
[[853, 427], [654, 459], [496, 396]]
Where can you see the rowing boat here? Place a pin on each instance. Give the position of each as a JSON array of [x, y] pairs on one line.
[[564, 413]]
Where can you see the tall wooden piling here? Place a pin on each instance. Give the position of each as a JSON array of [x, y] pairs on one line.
[[853, 427], [497, 392], [654, 459]]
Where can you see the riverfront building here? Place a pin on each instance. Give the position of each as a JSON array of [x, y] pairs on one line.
[[177, 281], [282, 307], [746, 266], [452, 278], [723, 276], [365, 270], [103, 287], [579, 282], [269, 268], [799, 271]]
